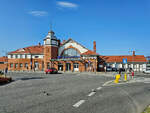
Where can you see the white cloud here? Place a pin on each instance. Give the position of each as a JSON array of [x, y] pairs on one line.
[[38, 13], [67, 4]]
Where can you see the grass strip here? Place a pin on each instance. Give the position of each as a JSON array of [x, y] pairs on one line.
[[147, 110]]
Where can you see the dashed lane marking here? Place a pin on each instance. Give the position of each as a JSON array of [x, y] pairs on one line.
[[78, 103], [99, 88], [91, 94], [107, 82]]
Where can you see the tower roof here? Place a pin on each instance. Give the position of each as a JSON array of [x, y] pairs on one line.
[[51, 31], [51, 34]]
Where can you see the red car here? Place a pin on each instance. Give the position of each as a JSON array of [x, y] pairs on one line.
[[51, 70]]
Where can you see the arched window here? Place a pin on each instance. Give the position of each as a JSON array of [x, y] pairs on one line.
[[70, 52]]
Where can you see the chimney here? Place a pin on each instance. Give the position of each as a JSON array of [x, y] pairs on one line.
[[94, 46], [58, 42], [39, 44], [133, 53]]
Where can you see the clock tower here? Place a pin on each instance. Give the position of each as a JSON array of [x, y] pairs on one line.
[[51, 44]]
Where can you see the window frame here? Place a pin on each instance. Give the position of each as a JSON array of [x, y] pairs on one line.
[[70, 52]]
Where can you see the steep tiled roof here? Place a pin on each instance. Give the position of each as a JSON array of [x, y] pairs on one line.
[[38, 49], [136, 58], [3, 59], [89, 52]]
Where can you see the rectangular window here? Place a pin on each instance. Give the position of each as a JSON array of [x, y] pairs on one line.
[[11, 56], [21, 65], [26, 65], [20, 56], [11, 65], [16, 56], [25, 56], [16, 65]]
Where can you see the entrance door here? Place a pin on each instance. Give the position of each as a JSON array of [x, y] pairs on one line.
[[68, 67], [36, 65], [60, 67], [76, 67]]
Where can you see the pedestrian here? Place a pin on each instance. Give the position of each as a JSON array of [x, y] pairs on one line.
[[6, 70], [34, 69], [119, 71], [105, 69], [132, 74]]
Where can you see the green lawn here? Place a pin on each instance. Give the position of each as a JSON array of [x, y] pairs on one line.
[[147, 110]]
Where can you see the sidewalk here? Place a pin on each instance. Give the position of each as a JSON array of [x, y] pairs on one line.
[[129, 80]]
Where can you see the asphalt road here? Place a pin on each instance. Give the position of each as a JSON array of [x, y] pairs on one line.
[[71, 93]]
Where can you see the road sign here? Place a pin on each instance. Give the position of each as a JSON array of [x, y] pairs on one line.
[[125, 60]]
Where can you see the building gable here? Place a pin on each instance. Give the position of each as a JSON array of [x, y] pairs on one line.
[[73, 44]]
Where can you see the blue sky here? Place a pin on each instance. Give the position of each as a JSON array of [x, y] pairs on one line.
[[117, 26]]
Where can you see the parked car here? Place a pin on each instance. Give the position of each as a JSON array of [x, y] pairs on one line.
[[114, 69], [122, 69], [147, 71], [108, 68], [51, 70]]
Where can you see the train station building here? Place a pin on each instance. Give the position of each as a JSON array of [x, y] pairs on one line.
[[66, 55]]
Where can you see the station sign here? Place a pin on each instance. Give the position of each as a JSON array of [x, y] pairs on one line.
[[124, 61], [64, 57]]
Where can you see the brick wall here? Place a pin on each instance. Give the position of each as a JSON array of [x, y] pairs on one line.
[[24, 64], [3, 66], [50, 52]]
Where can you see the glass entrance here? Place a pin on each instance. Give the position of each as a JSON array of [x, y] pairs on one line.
[[36, 65], [68, 67], [60, 67], [75, 67]]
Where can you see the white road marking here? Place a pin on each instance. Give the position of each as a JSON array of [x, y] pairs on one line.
[[78, 103], [99, 88], [92, 93], [107, 82]]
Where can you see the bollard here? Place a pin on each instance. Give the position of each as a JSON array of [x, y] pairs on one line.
[[117, 78], [125, 77]]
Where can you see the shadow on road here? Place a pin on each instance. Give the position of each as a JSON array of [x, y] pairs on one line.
[[31, 78]]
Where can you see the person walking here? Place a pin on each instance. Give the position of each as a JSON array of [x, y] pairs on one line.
[[6, 70], [120, 71], [105, 69], [132, 74]]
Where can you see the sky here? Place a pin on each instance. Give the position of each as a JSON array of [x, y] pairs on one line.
[[117, 26]]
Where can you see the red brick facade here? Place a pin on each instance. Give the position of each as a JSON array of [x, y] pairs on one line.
[[50, 52], [3, 63], [25, 64], [41, 57]]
